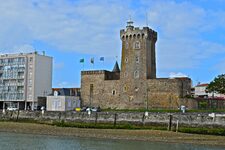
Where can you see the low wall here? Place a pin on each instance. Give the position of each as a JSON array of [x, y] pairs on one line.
[[185, 119]]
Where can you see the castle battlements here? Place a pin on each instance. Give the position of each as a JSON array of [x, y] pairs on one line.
[[93, 72], [137, 33]]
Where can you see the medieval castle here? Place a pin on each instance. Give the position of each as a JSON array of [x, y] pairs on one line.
[[135, 85]]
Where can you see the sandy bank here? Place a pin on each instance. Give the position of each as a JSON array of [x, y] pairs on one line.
[[144, 135]]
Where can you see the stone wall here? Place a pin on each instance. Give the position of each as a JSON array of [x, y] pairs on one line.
[[169, 93], [185, 119], [136, 94], [102, 90]]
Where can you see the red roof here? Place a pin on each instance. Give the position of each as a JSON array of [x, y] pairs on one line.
[[204, 84]]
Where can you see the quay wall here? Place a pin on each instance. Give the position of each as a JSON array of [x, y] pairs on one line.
[[133, 118]]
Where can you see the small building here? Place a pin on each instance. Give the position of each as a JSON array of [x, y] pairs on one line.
[[70, 91], [62, 100], [201, 91]]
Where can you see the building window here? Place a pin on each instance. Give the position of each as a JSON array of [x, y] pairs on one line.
[[30, 82], [137, 59], [69, 103], [91, 89], [113, 92], [126, 60], [31, 59], [136, 74], [137, 45], [136, 89], [30, 74]]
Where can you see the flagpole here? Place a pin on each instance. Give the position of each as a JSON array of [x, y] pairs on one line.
[[82, 61], [83, 66], [102, 59]]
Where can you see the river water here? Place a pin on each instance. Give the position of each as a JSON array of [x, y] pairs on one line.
[[15, 141]]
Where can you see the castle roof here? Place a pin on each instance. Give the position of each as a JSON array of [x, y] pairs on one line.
[[116, 68]]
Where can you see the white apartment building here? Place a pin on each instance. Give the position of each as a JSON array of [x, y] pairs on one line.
[[23, 78]]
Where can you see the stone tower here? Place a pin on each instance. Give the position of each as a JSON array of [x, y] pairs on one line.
[[137, 63], [138, 52], [135, 85]]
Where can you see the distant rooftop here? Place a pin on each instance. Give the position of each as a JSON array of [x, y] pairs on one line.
[[202, 85]]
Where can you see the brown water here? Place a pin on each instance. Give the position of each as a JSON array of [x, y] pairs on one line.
[[11, 141]]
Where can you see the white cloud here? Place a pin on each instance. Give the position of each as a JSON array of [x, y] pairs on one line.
[[177, 75], [182, 30], [65, 84], [86, 27], [93, 28]]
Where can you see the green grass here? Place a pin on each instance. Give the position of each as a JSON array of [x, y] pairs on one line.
[[107, 126], [163, 110], [139, 110], [207, 131]]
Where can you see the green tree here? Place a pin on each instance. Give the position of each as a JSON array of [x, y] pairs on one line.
[[217, 85]]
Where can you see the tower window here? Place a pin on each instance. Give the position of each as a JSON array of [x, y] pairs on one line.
[[126, 60], [136, 74], [130, 36], [136, 89], [137, 45], [137, 59], [113, 92], [125, 88], [138, 36]]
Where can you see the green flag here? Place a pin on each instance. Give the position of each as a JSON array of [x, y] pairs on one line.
[[92, 60], [82, 60]]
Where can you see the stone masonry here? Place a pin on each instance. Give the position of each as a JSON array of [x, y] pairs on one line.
[[135, 86]]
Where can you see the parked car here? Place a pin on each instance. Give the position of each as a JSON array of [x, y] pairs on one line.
[[83, 109], [10, 108], [95, 109], [39, 108], [88, 109]]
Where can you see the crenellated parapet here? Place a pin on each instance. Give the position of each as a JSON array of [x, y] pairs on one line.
[[93, 72], [138, 33], [107, 75]]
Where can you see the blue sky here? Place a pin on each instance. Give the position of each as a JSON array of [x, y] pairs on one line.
[[191, 34]]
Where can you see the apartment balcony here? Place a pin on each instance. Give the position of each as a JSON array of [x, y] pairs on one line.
[[20, 77], [12, 100], [20, 84]]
